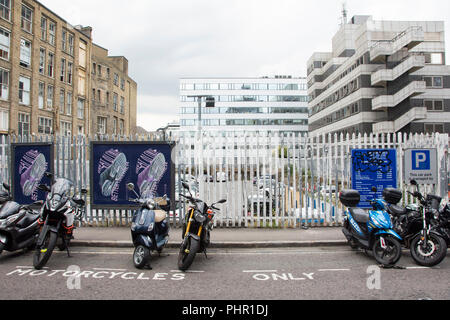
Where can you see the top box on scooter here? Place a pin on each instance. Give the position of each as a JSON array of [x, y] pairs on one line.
[[349, 198], [392, 196]]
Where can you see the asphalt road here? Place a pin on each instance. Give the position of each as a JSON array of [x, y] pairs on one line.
[[322, 273]]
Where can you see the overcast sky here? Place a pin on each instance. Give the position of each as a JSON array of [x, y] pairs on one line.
[[165, 40]]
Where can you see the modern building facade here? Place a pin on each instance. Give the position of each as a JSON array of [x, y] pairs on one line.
[[246, 104], [45, 72], [381, 76], [113, 95]]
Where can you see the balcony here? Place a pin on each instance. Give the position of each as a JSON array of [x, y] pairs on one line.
[[390, 101], [409, 38], [410, 64], [418, 113]]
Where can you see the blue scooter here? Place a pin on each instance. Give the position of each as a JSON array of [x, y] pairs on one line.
[[149, 228], [370, 230]]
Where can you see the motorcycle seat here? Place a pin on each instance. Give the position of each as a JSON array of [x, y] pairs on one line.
[[360, 215], [160, 216], [27, 220], [396, 210]]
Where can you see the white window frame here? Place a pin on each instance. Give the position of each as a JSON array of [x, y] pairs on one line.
[[69, 103], [4, 84], [51, 65], [52, 32], [24, 93], [26, 51], [80, 108], [50, 96], [42, 60], [23, 121], [26, 23], [41, 95], [101, 125], [4, 48], [5, 11], [43, 124]]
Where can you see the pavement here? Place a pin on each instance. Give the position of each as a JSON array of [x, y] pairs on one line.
[[220, 237]]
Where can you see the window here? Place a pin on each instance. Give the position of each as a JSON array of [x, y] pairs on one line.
[[63, 70], [51, 64], [41, 95], [434, 58], [66, 128], [43, 29], [50, 94], [5, 9], [71, 40], [122, 84], [4, 43], [42, 61], [69, 103], [4, 84], [82, 54], [4, 120], [115, 102], [24, 124], [99, 70], [24, 90], [434, 105], [27, 19], [121, 127], [114, 131], [107, 99], [433, 82], [122, 105], [82, 83], [101, 125], [25, 53], [52, 33], [116, 79], [45, 125], [69, 72], [80, 108], [434, 128], [62, 101], [64, 40]]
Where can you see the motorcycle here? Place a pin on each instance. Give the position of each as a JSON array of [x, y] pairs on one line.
[[370, 230], [197, 229], [19, 225], [444, 223], [149, 228], [417, 225], [57, 219]]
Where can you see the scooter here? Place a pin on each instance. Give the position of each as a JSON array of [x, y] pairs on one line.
[[370, 230], [19, 227], [149, 228]]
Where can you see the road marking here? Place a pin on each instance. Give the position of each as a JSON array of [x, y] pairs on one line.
[[258, 271], [325, 270], [422, 267], [188, 271], [109, 269]]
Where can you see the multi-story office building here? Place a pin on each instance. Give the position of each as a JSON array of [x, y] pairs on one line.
[[246, 104], [113, 95], [45, 71], [381, 76]]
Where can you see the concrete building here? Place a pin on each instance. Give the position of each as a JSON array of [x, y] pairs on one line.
[[45, 72], [113, 95], [246, 104], [381, 76]]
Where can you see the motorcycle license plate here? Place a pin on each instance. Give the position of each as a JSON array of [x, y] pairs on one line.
[[2, 238]]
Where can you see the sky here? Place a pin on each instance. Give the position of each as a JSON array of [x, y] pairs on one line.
[[165, 40]]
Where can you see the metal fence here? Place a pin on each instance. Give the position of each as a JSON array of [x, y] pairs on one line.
[[273, 180]]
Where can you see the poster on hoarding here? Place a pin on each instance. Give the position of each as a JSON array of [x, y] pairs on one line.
[[148, 165], [29, 163], [373, 168]]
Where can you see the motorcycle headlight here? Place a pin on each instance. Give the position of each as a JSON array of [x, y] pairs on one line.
[[199, 217], [151, 204]]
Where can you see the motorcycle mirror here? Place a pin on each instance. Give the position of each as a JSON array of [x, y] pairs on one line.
[[413, 182], [222, 201], [84, 191], [6, 186], [130, 186], [185, 185], [49, 175]]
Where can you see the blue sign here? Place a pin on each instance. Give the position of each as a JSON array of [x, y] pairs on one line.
[[29, 163], [373, 168], [147, 165], [421, 160]]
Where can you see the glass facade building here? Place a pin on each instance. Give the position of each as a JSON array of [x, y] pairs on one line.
[[278, 103]]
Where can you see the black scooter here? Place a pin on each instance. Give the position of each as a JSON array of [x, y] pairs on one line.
[[149, 228], [19, 226]]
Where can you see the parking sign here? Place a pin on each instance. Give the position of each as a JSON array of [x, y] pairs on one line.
[[421, 165]]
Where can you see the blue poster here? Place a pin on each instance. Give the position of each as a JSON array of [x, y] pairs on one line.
[[29, 163], [373, 168], [147, 165]]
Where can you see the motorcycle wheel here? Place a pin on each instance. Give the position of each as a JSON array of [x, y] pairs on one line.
[[433, 253], [141, 256], [188, 250], [390, 255], [42, 254]]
